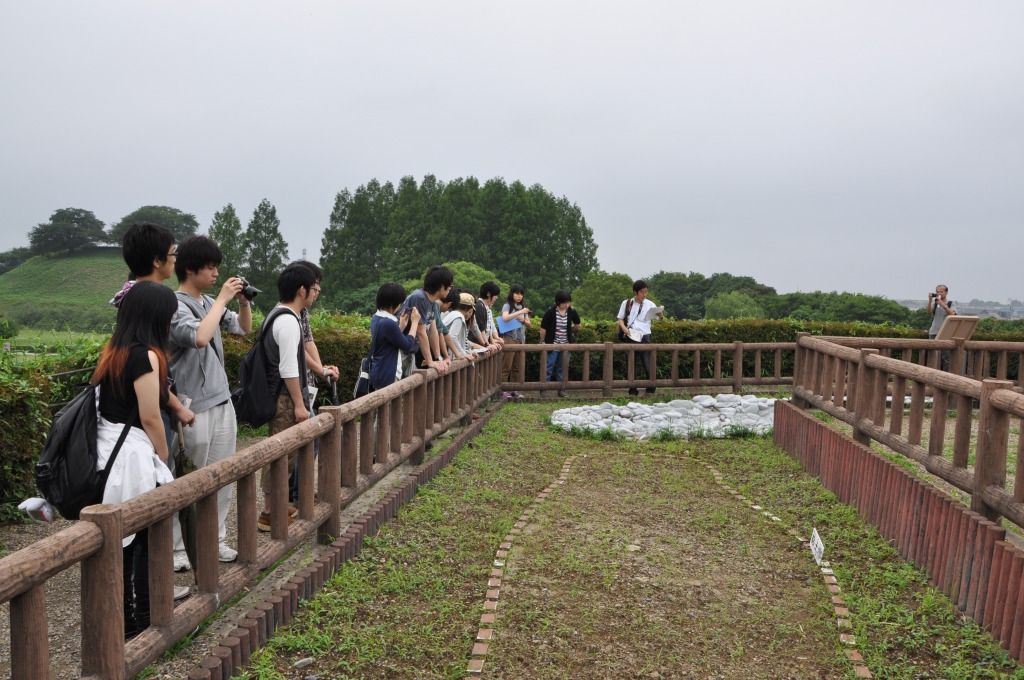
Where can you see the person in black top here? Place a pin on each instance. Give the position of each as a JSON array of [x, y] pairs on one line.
[[132, 377]]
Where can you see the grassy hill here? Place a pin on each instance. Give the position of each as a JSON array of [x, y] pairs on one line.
[[64, 292]]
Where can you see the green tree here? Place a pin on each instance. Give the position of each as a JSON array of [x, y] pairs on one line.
[[819, 306], [226, 230], [353, 301], [683, 294], [268, 253], [467, 276], [181, 224], [9, 259], [409, 232], [459, 232], [335, 253], [733, 305], [353, 251], [69, 229], [599, 296]]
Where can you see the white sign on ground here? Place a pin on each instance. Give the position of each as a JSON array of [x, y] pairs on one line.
[[817, 547]]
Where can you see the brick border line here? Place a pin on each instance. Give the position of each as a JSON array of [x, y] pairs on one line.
[[485, 633], [261, 621], [839, 606]]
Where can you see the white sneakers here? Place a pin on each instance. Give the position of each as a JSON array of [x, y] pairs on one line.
[[224, 554], [181, 592], [181, 562]]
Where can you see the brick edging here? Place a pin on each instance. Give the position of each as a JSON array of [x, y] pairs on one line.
[[261, 621], [839, 606], [485, 632]]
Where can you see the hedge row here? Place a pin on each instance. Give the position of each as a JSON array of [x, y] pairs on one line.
[[25, 393]]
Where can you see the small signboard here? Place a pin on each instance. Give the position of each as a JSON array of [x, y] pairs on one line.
[[957, 327], [817, 547]]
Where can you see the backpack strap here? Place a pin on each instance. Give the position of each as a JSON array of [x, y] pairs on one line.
[[120, 442]]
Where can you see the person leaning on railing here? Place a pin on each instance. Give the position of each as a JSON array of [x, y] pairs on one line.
[[132, 376]]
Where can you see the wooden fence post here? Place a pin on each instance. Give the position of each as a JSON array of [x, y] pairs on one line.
[[420, 421], [329, 476], [30, 639], [799, 356], [864, 407], [737, 367], [102, 588], [957, 358], [609, 370], [993, 435]]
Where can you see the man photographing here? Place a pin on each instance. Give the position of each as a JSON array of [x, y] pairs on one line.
[[939, 307]]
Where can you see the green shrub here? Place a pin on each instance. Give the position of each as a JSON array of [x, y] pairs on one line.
[[24, 424], [8, 327]]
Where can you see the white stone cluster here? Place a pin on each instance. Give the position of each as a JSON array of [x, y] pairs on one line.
[[706, 415]]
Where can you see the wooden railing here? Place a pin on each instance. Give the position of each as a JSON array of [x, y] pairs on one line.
[[354, 454], [867, 389], [693, 365]]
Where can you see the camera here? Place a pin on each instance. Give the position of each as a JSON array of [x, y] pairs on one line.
[[249, 291]]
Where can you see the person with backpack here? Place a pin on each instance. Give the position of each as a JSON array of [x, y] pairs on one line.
[[558, 326], [315, 367], [634, 326], [286, 367], [197, 363], [132, 376]]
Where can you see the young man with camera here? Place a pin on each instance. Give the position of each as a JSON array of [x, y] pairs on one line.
[[197, 363]]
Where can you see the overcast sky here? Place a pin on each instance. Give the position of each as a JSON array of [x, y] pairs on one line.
[[873, 147]]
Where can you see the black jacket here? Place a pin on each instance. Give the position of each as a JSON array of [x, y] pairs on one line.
[[548, 323]]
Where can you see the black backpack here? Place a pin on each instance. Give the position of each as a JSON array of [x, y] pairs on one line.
[[255, 403], [66, 473]]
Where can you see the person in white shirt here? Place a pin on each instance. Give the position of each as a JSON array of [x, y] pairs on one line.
[[286, 365], [632, 323]]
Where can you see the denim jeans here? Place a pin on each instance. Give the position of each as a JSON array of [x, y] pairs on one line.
[[555, 365]]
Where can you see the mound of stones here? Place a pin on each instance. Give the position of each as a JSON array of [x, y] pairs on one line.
[[704, 415]]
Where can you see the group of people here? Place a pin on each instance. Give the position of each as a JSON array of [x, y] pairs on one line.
[[163, 371], [163, 368]]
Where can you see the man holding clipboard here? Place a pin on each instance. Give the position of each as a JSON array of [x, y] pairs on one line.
[[635, 316]]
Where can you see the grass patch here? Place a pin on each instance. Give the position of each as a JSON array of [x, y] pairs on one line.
[[639, 566]]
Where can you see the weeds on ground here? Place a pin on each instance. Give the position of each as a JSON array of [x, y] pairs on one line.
[[410, 605]]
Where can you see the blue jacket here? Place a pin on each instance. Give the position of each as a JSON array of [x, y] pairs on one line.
[[386, 339]]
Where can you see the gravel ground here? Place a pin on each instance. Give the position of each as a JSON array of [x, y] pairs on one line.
[[63, 595]]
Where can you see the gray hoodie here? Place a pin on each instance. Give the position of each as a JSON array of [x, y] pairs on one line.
[[199, 372]]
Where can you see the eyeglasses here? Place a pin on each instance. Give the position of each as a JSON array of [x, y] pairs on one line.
[[316, 289], [173, 253]]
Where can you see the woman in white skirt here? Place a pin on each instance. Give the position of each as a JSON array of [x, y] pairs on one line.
[[134, 387]]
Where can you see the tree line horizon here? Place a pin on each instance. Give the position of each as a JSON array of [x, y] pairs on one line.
[[510, 233]]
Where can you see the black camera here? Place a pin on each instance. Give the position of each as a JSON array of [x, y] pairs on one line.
[[249, 291]]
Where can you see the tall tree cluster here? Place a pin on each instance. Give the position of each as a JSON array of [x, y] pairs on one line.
[[383, 232]]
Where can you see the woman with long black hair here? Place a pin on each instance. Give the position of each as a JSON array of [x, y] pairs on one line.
[[132, 377]]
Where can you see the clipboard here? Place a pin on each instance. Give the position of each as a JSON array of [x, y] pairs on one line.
[[507, 326]]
